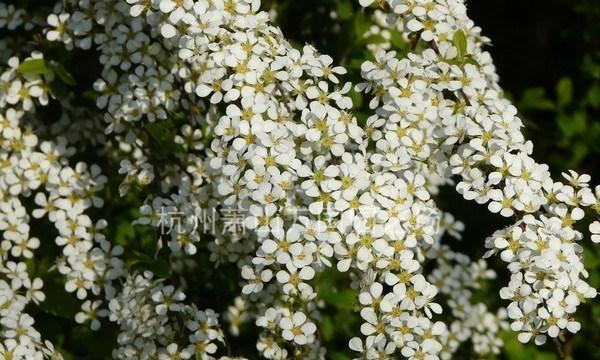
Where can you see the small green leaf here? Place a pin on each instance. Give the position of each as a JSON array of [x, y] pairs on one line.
[[163, 134], [374, 39], [62, 73], [459, 40], [124, 232], [361, 25], [344, 10], [160, 268], [564, 92], [58, 89], [35, 67], [58, 302], [337, 355], [398, 41], [357, 98], [327, 328], [355, 64], [593, 96], [90, 94], [470, 60], [344, 299], [518, 351], [535, 99], [141, 262], [65, 354], [573, 124]]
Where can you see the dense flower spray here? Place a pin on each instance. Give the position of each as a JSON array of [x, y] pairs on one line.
[[269, 129]]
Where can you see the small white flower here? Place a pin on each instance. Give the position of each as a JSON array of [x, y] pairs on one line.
[[297, 328]]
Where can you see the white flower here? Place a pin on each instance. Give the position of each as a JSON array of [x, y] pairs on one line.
[[59, 22], [168, 299], [366, 3], [292, 278], [255, 279], [595, 230], [297, 328], [263, 220], [90, 313], [175, 9], [168, 30]]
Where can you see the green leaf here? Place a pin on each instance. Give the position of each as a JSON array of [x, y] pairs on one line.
[[355, 64], [58, 302], [344, 299], [90, 94], [344, 10], [357, 98], [327, 328], [373, 39], [336, 355], [398, 41], [124, 232], [35, 67], [361, 25], [459, 40], [58, 89], [470, 60], [65, 354], [564, 92], [160, 268], [141, 262], [593, 96], [578, 152], [62, 73], [535, 99], [572, 125], [518, 351], [163, 134]]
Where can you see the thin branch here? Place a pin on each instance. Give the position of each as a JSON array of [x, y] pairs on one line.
[[228, 28], [561, 353]]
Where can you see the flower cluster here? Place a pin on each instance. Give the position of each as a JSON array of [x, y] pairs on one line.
[[545, 287], [458, 278], [39, 170], [206, 105], [475, 135], [358, 209], [154, 319]]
